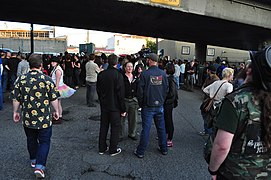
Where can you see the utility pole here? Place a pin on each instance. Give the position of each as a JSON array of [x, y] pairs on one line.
[[32, 38], [157, 46], [87, 36]]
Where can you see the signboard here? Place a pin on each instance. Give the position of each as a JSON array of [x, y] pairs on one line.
[[167, 2]]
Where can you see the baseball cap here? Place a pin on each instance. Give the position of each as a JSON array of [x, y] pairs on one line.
[[153, 57], [212, 69], [55, 59]]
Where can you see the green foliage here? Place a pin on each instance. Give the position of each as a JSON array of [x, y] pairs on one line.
[[151, 45]]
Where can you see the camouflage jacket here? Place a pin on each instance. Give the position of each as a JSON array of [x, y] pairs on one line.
[[248, 157]]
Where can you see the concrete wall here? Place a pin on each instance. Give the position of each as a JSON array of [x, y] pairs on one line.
[[56, 45], [174, 50], [242, 11]]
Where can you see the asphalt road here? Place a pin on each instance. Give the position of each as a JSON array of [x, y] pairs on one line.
[[74, 147]]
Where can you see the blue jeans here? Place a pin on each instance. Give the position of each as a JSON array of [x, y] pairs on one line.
[[1, 96], [38, 145], [181, 79], [177, 81], [91, 89], [4, 81], [147, 115], [205, 117]]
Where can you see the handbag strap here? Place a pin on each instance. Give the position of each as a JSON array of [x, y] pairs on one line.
[[218, 90]]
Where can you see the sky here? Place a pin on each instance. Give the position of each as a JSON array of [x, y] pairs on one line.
[[75, 36]]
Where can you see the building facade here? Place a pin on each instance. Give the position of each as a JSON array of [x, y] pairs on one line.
[[126, 44], [44, 41], [186, 51]]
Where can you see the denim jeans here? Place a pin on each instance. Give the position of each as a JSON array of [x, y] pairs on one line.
[[38, 145], [181, 79], [205, 117], [4, 81], [13, 78], [77, 77], [91, 89], [177, 81], [147, 115], [1, 96]]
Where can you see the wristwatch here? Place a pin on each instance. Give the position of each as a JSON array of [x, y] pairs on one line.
[[213, 173]]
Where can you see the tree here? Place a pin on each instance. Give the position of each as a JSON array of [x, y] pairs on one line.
[[151, 45]]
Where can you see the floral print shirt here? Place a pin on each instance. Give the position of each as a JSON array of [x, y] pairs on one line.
[[34, 91]]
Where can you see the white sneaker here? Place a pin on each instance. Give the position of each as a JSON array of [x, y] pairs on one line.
[[39, 173], [116, 153]]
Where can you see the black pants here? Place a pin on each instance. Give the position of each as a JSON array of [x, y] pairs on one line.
[[168, 108], [112, 119]]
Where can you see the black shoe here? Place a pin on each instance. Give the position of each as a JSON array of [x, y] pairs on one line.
[[120, 139], [102, 152], [162, 152], [91, 105], [138, 155], [62, 119], [116, 153], [132, 137]]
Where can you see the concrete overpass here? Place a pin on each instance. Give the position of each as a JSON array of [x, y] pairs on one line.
[[241, 24]]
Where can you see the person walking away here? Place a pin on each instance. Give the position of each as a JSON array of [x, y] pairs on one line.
[[131, 102], [221, 88], [151, 94], [220, 69], [172, 96], [111, 93], [5, 58], [226, 88], [33, 92], [13, 66], [68, 66], [242, 145], [23, 66], [64, 90], [92, 70], [211, 77]]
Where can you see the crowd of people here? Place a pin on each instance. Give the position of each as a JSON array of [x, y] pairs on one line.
[[239, 140], [129, 84]]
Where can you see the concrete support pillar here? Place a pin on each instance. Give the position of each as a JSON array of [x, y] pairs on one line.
[[200, 51]]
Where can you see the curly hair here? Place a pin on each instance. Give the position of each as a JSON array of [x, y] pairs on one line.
[[264, 98]]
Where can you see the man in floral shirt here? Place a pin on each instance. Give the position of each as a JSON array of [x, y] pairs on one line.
[[33, 92]]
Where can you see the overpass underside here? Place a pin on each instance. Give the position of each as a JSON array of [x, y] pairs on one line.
[[137, 18]]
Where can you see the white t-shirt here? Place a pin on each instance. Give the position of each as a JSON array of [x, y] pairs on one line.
[[225, 89], [182, 68], [53, 74], [177, 70]]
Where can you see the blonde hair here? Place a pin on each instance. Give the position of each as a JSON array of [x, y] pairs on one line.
[[227, 72]]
